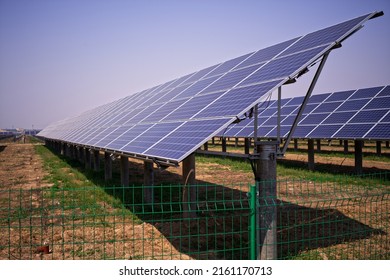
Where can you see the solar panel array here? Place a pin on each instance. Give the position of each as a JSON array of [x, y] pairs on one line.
[[353, 114], [172, 120]]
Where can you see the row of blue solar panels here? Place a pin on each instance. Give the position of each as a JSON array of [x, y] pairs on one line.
[[352, 114], [171, 120]]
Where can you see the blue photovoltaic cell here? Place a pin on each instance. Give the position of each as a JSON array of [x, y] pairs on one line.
[[378, 103], [196, 87], [267, 53], [353, 105], [232, 131], [165, 110], [324, 36], [324, 131], [260, 120], [296, 101], [245, 132], [284, 101], [180, 81], [309, 108], [318, 98], [193, 133], [380, 131], [272, 121], [125, 118], [77, 138], [302, 131], [128, 136], [150, 137], [288, 120], [327, 107], [384, 92], [386, 119], [313, 119], [365, 116], [340, 96], [228, 103], [143, 114], [339, 118], [112, 136], [228, 65], [287, 110], [366, 93], [200, 74], [169, 95], [89, 138], [351, 131], [231, 79], [101, 140], [192, 107], [274, 132], [283, 67], [261, 131], [268, 112]]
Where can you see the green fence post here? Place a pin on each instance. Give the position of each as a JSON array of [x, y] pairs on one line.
[[252, 229]]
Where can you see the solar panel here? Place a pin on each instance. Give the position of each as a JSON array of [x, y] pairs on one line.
[[331, 115], [170, 121]]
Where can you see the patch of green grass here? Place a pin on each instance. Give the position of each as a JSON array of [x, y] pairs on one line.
[[301, 172], [77, 190]]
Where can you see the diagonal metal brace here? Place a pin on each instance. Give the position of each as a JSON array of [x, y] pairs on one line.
[[303, 106]]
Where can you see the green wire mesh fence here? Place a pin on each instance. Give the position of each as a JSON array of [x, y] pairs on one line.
[[344, 219]]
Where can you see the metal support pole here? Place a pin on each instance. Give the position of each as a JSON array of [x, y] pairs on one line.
[[223, 144], [87, 158], [358, 156], [124, 171], [253, 224], [305, 100], [255, 125], [96, 160], [148, 182], [107, 166], [246, 146], [266, 187], [310, 153], [345, 146], [206, 146], [378, 148], [318, 145], [279, 118], [295, 144]]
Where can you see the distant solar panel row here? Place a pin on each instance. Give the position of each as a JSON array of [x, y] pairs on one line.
[[354, 114], [172, 120]]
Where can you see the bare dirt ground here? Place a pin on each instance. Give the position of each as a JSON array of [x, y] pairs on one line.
[[20, 167]]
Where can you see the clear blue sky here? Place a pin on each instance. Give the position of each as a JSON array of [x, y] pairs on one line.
[[60, 58]]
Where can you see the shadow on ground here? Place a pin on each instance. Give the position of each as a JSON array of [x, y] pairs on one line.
[[221, 226]]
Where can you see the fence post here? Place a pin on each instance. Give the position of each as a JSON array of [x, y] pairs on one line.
[[253, 226], [266, 188], [189, 194]]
